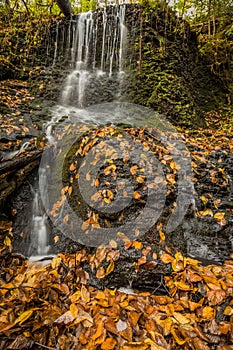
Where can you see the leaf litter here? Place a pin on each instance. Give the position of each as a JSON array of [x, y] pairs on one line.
[[55, 307]]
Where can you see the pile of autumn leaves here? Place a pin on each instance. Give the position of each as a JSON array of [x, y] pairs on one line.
[[56, 307]]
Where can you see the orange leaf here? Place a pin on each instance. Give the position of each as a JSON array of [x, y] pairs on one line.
[[166, 258], [100, 273], [99, 330], [72, 167], [109, 344], [208, 313], [134, 317], [137, 245], [142, 260], [182, 285], [56, 239], [178, 336], [136, 195]]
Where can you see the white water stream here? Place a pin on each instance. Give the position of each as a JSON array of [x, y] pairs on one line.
[[82, 42]]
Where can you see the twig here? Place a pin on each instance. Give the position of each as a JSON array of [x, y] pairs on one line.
[[44, 346]]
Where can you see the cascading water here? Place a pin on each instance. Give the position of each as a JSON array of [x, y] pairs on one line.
[[97, 56], [39, 233], [98, 64]]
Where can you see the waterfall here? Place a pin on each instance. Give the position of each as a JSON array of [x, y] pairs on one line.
[[39, 233], [97, 50], [39, 228]]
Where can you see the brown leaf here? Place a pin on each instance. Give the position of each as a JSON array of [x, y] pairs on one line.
[[110, 326], [134, 317], [216, 297], [127, 333], [199, 344], [65, 319], [85, 295]]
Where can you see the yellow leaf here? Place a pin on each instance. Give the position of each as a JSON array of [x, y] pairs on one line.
[[174, 166], [206, 212], [70, 189], [85, 225], [88, 176], [135, 346], [228, 311], [122, 236], [153, 345], [142, 260], [165, 324], [109, 169], [182, 285], [208, 313], [107, 200], [219, 215], [204, 200], [24, 316], [100, 254], [7, 241], [74, 310], [162, 235], [171, 179], [110, 268], [55, 262], [181, 318]]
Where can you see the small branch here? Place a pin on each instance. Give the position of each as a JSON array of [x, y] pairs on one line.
[[44, 346]]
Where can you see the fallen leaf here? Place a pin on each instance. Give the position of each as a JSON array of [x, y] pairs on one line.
[[24, 316], [108, 344], [110, 268]]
